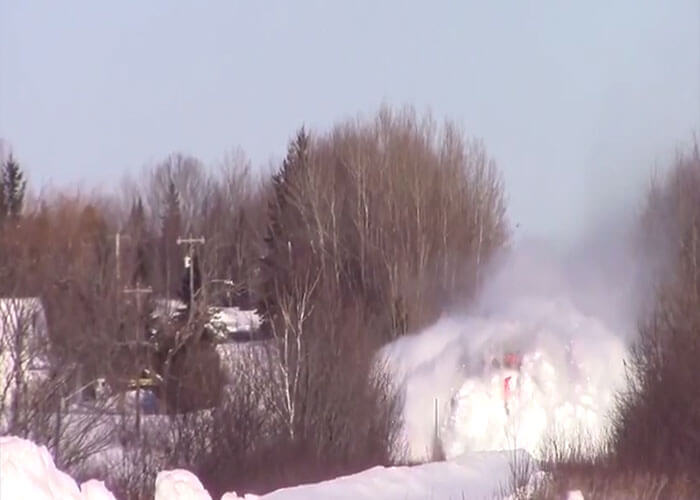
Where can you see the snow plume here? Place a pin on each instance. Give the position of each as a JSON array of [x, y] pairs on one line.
[[538, 357]]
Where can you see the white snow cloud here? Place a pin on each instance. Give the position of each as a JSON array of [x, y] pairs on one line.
[[569, 335]]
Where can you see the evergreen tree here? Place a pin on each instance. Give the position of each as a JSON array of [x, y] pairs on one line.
[[136, 228], [170, 231], [284, 223], [12, 191]]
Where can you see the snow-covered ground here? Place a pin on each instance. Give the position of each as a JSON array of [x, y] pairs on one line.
[[479, 475], [27, 471], [227, 323]]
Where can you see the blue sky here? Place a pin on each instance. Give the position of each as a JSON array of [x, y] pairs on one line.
[[576, 101]]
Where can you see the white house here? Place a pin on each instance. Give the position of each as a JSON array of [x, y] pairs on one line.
[[23, 351]]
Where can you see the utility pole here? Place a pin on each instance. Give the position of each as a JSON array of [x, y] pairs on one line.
[[138, 291], [117, 252], [117, 246], [191, 242], [117, 303]]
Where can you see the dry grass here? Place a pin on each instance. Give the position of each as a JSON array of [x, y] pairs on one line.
[[599, 483]]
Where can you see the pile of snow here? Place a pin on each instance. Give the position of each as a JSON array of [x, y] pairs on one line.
[[179, 484], [28, 471]]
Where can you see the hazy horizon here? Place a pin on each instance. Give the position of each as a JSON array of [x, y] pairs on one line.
[[576, 104]]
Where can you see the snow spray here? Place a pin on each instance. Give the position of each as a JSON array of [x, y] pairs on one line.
[[531, 362]]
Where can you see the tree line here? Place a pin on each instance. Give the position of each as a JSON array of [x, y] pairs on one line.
[[366, 232]]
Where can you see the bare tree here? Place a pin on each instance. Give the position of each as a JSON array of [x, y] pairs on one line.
[[658, 416], [287, 362]]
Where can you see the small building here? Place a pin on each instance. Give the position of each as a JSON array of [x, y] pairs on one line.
[[24, 359]]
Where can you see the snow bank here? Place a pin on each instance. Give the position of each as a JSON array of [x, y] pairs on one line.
[[95, 490], [179, 484], [477, 476], [28, 471]]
